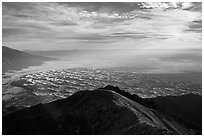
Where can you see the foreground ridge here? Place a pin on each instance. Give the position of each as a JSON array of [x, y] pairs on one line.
[[109, 110]]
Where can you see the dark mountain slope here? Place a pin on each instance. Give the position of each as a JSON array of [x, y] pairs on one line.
[[85, 112], [186, 109], [14, 59], [101, 111]]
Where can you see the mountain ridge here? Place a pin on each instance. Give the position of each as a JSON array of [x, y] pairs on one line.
[[100, 111]]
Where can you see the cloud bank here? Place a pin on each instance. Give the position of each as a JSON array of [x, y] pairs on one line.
[[140, 27]]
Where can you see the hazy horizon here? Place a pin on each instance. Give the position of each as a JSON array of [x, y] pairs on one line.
[[156, 37]]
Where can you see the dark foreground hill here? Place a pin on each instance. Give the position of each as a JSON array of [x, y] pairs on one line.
[[108, 110], [14, 59]]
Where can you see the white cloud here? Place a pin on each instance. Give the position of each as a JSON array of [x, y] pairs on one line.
[[57, 21]]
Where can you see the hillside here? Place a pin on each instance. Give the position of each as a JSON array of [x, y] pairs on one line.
[[14, 59], [106, 110]]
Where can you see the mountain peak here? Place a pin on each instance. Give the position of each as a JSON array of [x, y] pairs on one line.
[[100, 111]]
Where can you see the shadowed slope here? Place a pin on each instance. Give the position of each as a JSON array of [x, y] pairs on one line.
[[185, 110], [86, 112], [101, 111]]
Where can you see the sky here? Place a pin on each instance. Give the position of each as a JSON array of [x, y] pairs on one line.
[[160, 35]]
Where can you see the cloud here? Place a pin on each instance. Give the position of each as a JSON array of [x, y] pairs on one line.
[[193, 6], [195, 26], [104, 23], [155, 37], [64, 23]]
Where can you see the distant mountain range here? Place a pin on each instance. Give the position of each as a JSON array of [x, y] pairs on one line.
[[14, 59], [109, 110]]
